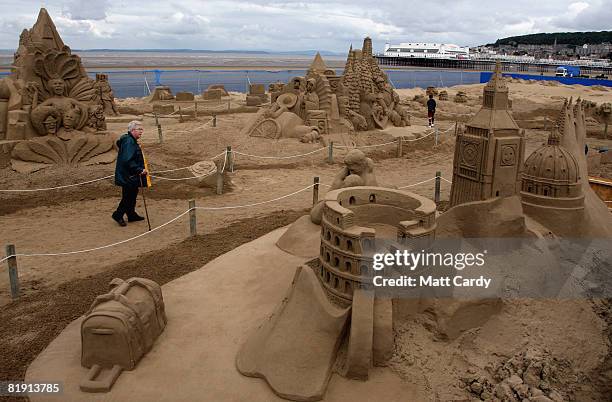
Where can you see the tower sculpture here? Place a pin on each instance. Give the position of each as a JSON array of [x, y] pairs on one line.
[[489, 152]]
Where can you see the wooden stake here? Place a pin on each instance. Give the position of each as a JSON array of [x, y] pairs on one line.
[[193, 227], [13, 273], [437, 188], [315, 191], [400, 144], [330, 153]]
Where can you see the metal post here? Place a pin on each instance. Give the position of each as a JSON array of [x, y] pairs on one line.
[[159, 133], [315, 191], [436, 136], [214, 121], [330, 153], [156, 119], [192, 218], [230, 159], [180, 115], [437, 188], [400, 143], [456, 125], [12, 268]]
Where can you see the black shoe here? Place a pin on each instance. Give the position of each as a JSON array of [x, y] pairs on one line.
[[135, 218], [119, 219]]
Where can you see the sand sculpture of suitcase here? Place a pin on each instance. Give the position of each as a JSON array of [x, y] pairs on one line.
[[119, 328]]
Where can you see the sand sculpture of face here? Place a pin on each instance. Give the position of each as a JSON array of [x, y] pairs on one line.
[[58, 86], [70, 118], [50, 124], [310, 85]]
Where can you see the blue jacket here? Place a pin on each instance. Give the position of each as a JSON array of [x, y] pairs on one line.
[[130, 162]]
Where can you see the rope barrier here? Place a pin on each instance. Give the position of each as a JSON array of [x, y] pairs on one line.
[[99, 247], [183, 214], [225, 161], [416, 184], [154, 229], [280, 157], [55, 188], [256, 203], [99, 179]]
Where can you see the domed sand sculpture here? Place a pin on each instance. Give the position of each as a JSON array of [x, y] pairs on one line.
[[50, 108], [325, 103]]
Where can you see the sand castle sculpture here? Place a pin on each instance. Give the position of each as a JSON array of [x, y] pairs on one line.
[[50, 106], [360, 99], [551, 184], [119, 329], [489, 152], [358, 170], [332, 319], [331, 309]]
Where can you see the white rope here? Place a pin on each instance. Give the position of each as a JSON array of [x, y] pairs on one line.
[[256, 203], [183, 178], [416, 184], [154, 229], [280, 157], [100, 179], [448, 181], [55, 188], [365, 146], [99, 247]]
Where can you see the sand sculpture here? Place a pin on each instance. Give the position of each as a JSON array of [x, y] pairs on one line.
[[105, 96], [214, 92], [460, 97], [443, 96], [550, 187], [257, 95], [602, 114], [330, 306], [184, 96], [489, 152], [494, 195], [50, 106], [360, 99], [119, 329], [358, 170], [161, 93], [431, 91]]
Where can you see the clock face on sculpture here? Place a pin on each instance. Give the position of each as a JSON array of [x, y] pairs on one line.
[[508, 155], [470, 154]]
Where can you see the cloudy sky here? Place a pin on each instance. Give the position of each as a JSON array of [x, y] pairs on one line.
[[316, 24]]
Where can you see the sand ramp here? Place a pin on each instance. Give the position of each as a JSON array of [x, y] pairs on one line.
[[306, 330]]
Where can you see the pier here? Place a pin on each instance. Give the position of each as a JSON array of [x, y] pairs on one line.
[[485, 65]]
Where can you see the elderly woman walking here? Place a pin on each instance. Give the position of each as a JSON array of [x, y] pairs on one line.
[[130, 173]]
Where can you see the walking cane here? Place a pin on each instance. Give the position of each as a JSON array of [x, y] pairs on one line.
[[144, 200]]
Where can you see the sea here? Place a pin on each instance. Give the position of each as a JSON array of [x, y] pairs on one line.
[[135, 73]]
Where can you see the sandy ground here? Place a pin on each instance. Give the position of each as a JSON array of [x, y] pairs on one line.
[[219, 305], [79, 217]]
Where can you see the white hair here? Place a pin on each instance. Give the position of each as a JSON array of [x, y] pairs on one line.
[[133, 124]]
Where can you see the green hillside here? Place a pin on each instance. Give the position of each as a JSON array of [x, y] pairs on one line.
[[569, 38]]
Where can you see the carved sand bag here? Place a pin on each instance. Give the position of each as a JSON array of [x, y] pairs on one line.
[[119, 328]]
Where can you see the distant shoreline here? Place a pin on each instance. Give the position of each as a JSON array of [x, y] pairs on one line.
[[110, 68]]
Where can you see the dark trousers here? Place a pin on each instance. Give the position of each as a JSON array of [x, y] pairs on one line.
[[128, 201]]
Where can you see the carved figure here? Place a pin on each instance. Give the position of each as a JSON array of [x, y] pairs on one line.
[[105, 95], [51, 99]]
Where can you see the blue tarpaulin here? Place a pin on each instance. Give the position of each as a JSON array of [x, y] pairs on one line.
[[486, 76]]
